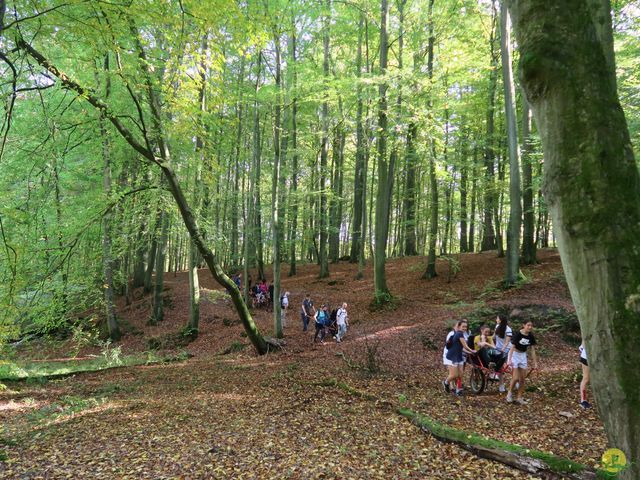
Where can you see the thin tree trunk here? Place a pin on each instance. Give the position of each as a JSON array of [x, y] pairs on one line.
[[474, 196], [293, 199], [515, 208], [107, 258], [528, 231], [277, 188], [359, 174], [236, 174], [430, 272], [464, 244], [488, 232], [324, 147], [158, 298]]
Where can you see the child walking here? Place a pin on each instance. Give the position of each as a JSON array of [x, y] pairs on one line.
[[585, 378], [521, 342], [458, 345]]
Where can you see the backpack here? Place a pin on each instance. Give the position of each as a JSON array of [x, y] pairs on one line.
[[334, 315], [321, 318]]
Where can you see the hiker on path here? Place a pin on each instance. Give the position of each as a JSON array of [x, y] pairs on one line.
[[456, 347], [502, 338], [284, 305], [342, 318], [447, 342], [305, 313], [521, 341], [321, 322]]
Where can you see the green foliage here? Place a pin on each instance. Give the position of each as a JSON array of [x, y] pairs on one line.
[[383, 301]]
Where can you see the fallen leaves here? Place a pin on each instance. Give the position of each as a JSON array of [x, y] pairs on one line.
[[291, 415]]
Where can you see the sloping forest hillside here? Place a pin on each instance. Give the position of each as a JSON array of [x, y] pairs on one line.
[[311, 410], [420, 160]]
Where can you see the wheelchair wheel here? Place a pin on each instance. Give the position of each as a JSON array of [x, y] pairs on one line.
[[477, 381]]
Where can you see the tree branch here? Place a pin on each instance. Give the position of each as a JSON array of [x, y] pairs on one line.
[[89, 97]]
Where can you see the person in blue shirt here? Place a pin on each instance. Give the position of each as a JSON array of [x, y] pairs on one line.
[[456, 346], [322, 318]]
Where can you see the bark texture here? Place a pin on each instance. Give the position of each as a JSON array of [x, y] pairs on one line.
[[592, 187]]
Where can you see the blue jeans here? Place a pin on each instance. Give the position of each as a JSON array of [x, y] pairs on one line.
[[305, 321], [342, 330]]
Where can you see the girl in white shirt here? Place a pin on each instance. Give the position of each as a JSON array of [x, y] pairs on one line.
[[502, 339]]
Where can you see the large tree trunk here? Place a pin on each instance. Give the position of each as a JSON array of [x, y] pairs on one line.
[[474, 196], [592, 187], [383, 199], [515, 209]]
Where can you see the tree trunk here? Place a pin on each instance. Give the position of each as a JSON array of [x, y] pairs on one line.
[[385, 176], [464, 244], [158, 303], [488, 232], [474, 196], [515, 209], [528, 230], [430, 272], [359, 174], [324, 147], [277, 187], [236, 174], [194, 282], [107, 258], [592, 187], [335, 209], [153, 251], [293, 199]]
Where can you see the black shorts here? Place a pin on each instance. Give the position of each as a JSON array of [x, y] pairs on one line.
[[584, 361]]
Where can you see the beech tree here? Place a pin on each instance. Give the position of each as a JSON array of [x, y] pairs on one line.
[[592, 187]]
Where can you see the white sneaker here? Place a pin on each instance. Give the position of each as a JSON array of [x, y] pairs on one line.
[[509, 398], [502, 389]]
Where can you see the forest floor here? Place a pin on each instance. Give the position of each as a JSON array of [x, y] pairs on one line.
[[284, 415]]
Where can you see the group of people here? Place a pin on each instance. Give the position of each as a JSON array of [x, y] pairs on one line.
[[325, 320], [494, 351]]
